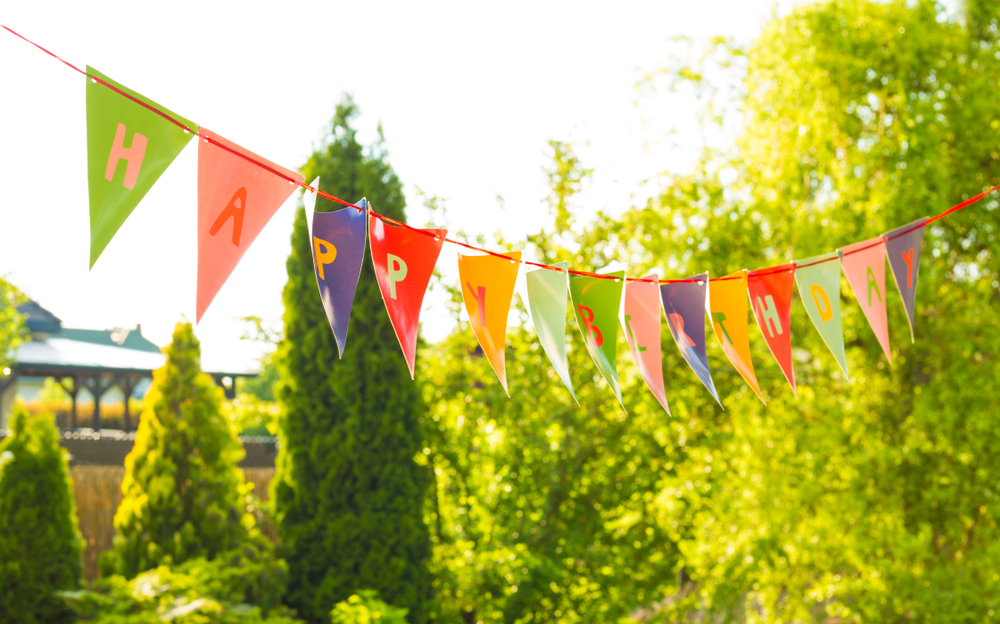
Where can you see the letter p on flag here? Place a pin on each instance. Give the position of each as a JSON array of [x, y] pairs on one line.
[[397, 272]]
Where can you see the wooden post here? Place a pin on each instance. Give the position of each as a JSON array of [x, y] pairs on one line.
[[127, 385], [72, 391], [97, 388]]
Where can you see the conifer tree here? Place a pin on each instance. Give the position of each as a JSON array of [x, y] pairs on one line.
[[182, 490], [349, 496], [40, 544]]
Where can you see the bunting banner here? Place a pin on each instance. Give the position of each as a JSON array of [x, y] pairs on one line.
[[642, 332], [818, 279], [118, 177], [237, 196], [132, 140], [404, 260], [548, 296], [902, 247], [685, 304], [732, 328], [487, 288], [338, 247], [596, 303], [770, 293], [864, 268]]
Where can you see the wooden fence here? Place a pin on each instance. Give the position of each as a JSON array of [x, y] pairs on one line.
[[98, 491]]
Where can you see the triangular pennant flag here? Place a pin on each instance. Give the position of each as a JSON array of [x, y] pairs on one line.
[[770, 293], [902, 247], [732, 329], [819, 288], [596, 302], [404, 261], [338, 247], [237, 196], [488, 287], [642, 332], [548, 295], [118, 177], [685, 304], [864, 267]]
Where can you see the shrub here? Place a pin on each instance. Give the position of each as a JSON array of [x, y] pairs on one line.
[[364, 607], [40, 544]]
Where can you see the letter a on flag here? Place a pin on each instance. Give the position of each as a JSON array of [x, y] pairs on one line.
[[864, 268], [902, 247], [771, 299], [685, 304], [819, 288], [129, 147], [548, 294], [237, 196], [642, 332], [729, 318], [488, 287], [404, 261], [338, 249], [596, 302]]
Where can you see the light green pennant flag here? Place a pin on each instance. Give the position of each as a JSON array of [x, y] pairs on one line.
[[596, 303], [819, 288], [548, 294], [119, 176]]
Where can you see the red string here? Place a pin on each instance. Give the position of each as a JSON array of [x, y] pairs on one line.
[[758, 272]]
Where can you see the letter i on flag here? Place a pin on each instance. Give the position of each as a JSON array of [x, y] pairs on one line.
[[729, 318], [642, 332], [338, 246], [129, 147], [596, 302], [488, 287], [238, 193], [685, 304], [548, 294], [902, 247], [770, 293], [864, 268], [819, 288], [404, 261]]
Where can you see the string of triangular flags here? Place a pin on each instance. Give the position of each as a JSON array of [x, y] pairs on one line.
[[239, 192]]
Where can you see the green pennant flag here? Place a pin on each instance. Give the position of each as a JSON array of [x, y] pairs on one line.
[[547, 293], [119, 176], [819, 288], [596, 303]]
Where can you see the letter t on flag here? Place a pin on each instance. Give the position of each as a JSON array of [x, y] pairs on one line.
[[238, 193], [118, 177]]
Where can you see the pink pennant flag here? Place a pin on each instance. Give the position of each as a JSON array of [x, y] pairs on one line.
[[238, 193], [864, 267], [642, 332]]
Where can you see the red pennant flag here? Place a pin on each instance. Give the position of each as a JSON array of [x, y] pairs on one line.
[[404, 260], [864, 267], [236, 198], [771, 299]]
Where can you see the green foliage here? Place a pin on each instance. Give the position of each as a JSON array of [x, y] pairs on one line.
[[12, 329], [365, 608], [251, 416], [184, 497], [348, 495], [259, 331], [40, 545], [244, 586]]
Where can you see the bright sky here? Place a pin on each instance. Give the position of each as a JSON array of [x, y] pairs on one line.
[[468, 97]]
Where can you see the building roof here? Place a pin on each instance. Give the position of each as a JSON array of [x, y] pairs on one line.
[[38, 319], [59, 353]]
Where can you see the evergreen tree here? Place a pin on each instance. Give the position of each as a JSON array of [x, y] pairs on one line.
[[349, 495], [40, 544], [182, 490]]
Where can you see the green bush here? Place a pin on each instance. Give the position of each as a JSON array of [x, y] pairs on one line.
[[364, 607], [40, 544], [237, 587], [184, 497]]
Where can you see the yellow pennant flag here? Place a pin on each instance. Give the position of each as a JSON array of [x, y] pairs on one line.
[[728, 299]]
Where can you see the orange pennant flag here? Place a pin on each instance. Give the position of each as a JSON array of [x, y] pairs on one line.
[[729, 318], [488, 287], [236, 198]]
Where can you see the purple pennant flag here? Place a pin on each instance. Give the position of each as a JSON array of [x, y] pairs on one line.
[[685, 304], [338, 247], [902, 247]]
